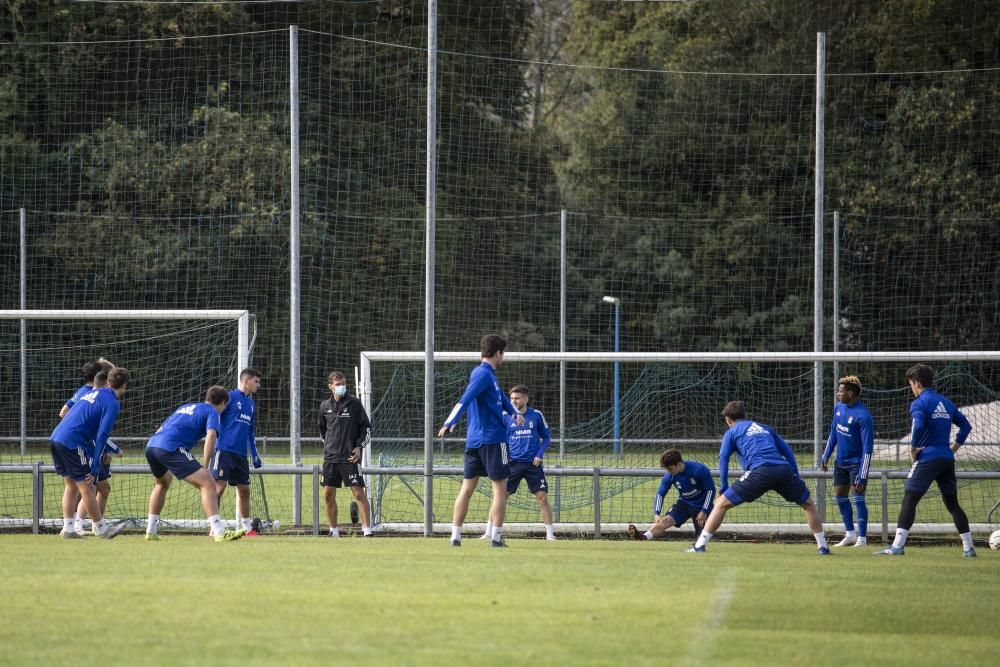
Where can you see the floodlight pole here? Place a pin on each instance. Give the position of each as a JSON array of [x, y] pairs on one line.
[[818, 398], [617, 303]]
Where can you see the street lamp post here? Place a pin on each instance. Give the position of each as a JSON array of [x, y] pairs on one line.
[[617, 303]]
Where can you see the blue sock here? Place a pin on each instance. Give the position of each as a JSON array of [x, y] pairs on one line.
[[859, 501], [844, 505]]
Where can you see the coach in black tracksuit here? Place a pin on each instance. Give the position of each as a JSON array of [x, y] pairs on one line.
[[346, 431]]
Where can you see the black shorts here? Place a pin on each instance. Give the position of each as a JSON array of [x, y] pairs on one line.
[[755, 483], [230, 467], [846, 475], [487, 460], [342, 474], [178, 461], [72, 463], [529, 472], [681, 512], [922, 473]]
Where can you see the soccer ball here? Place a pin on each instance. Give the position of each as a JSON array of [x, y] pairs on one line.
[[995, 540]]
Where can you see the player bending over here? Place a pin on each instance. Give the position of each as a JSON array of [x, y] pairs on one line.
[[169, 455], [695, 490], [770, 466]]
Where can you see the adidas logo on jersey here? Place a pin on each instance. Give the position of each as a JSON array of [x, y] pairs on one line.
[[940, 412], [755, 429]]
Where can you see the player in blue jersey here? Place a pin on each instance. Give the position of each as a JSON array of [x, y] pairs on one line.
[[933, 456], [103, 477], [852, 434], [229, 462], [769, 465], [89, 372], [526, 445], [168, 453], [78, 443], [486, 440], [696, 492]]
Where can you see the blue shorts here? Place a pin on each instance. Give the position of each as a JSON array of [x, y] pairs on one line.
[[342, 474], [681, 512], [846, 475], [230, 467], [104, 472], [528, 471], [755, 483], [72, 463], [178, 461], [487, 460], [922, 473]]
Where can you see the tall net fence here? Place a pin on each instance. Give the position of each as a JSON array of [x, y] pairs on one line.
[[148, 144]]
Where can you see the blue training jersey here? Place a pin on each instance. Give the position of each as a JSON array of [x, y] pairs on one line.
[[694, 485], [239, 422], [78, 394], [183, 429], [88, 424], [933, 415], [524, 443], [755, 445], [852, 433], [486, 404]]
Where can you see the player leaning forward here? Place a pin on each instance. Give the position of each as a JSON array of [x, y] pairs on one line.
[[346, 431], [77, 446], [169, 455]]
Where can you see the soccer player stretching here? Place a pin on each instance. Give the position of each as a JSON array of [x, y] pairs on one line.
[[852, 433], [527, 444], [696, 492], [229, 463], [933, 458], [770, 466], [486, 440], [346, 431], [169, 455], [78, 444]]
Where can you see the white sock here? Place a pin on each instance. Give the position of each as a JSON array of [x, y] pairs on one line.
[[456, 532], [550, 531], [366, 530], [247, 524], [820, 539], [851, 535], [78, 522], [497, 533], [489, 530], [67, 524], [152, 524], [334, 532], [648, 534], [704, 538], [100, 527], [966, 540], [900, 540], [218, 529]]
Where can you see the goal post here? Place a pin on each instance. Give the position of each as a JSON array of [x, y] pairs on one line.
[[670, 399], [173, 356]]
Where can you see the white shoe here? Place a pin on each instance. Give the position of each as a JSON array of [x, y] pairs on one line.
[[862, 542], [70, 535], [552, 539], [486, 536], [846, 542]]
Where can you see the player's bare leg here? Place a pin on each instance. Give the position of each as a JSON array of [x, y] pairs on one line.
[[361, 497], [461, 509], [330, 498], [498, 509]]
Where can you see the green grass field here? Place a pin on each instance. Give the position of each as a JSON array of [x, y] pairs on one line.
[[414, 601]]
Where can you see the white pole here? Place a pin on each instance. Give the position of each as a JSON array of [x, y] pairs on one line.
[[23, 224], [431, 205], [562, 335], [818, 399], [836, 292], [294, 324]]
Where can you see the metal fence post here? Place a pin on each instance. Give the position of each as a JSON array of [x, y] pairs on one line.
[[885, 507], [597, 503], [36, 497], [315, 478]]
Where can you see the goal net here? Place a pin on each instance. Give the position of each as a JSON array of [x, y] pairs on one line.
[[173, 356], [676, 400]]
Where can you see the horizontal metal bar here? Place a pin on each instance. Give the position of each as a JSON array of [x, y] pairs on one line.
[[708, 357], [121, 314]]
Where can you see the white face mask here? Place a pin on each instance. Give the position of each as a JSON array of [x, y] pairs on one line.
[[340, 390]]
